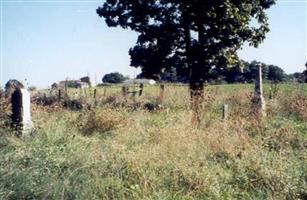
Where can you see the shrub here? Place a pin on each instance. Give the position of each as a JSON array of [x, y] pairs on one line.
[[5, 111], [101, 121], [240, 103], [44, 100], [73, 104], [296, 106], [299, 106]]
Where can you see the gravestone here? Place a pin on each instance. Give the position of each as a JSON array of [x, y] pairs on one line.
[[259, 102], [21, 111]]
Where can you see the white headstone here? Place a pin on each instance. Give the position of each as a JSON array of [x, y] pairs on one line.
[[26, 118], [21, 111]]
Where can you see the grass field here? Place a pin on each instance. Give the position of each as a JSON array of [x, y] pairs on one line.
[[119, 150]]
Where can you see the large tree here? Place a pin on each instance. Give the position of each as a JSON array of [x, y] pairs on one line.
[[194, 36]]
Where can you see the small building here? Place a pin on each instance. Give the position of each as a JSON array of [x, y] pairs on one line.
[[81, 84], [139, 81]]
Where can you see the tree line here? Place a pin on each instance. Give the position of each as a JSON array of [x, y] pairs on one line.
[[241, 73], [244, 72]]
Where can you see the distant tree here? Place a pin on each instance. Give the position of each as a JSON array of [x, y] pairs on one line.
[[113, 78], [299, 77], [275, 74], [289, 78], [87, 80], [251, 70], [234, 75], [165, 30]]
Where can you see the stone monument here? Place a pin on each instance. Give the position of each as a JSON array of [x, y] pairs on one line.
[[259, 102], [21, 111]]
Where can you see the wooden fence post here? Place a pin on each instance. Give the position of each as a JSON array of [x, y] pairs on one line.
[[65, 90], [161, 95], [141, 89], [59, 96], [95, 96], [125, 91]]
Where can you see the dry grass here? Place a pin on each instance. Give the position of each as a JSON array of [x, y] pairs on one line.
[[100, 120], [115, 152], [298, 106], [5, 112]]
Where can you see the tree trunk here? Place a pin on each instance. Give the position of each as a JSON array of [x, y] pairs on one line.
[[195, 66], [197, 75], [197, 96]]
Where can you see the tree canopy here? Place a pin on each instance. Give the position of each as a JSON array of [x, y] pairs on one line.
[[193, 36], [114, 77], [275, 74]]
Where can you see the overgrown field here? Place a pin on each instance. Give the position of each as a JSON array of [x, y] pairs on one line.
[[120, 149]]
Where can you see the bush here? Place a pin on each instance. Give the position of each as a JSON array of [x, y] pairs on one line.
[[299, 106], [5, 111], [44, 100], [73, 104], [101, 121], [295, 106]]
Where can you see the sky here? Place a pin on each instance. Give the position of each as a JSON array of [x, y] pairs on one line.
[[43, 42]]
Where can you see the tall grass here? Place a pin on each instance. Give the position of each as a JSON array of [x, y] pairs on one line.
[[115, 152]]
